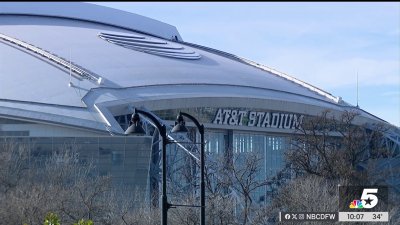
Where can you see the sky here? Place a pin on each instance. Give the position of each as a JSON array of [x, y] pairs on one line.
[[325, 44]]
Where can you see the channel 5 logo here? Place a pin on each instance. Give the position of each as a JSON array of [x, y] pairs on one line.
[[363, 198], [368, 199]]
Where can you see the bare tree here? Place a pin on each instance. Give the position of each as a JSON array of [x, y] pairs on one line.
[[327, 151], [309, 193], [231, 181], [59, 183], [128, 208], [220, 209], [13, 163], [243, 175], [333, 147]]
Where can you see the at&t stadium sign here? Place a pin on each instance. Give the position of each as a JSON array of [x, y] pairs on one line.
[[236, 117]]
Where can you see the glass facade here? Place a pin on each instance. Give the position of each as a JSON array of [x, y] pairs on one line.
[[274, 157], [266, 150], [202, 114], [215, 142], [266, 147], [269, 157], [15, 132], [125, 159]]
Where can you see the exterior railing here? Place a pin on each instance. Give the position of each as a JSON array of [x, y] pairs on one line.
[[78, 70]]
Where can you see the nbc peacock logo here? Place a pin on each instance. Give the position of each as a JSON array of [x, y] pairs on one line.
[[356, 204]]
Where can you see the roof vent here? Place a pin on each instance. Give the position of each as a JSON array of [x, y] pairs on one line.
[[150, 45]]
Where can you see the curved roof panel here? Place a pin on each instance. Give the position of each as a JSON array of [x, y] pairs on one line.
[[124, 67], [94, 13]]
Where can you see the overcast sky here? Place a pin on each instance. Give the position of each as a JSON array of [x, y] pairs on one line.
[[324, 44]]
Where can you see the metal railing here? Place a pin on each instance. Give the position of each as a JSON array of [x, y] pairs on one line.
[[78, 70], [294, 80]]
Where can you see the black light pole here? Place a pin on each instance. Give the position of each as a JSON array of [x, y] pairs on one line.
[[180, 127], [135, 129]]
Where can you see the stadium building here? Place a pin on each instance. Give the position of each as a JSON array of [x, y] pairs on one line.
[[74, 72]]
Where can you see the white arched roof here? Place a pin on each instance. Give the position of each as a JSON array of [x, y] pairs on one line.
[[127, 60]]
